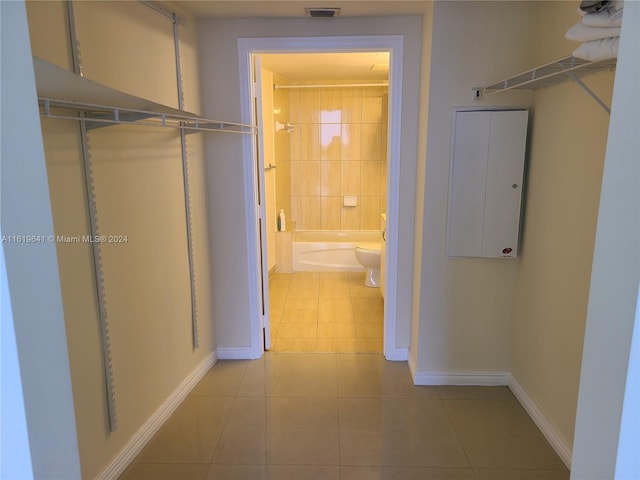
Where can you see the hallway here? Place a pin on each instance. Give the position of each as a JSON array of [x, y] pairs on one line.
[[342, 417]]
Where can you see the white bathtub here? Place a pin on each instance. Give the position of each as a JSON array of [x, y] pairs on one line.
[[329, 250]]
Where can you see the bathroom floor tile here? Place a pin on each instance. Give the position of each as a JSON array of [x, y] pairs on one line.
[[299, 316], [370, 345], [335, 304], [337, 345], [301, 304], [298, 330], [369, 330], [295, 345], [367, 303], [302, 293], [337, 330], [369, 316], [335, 316]]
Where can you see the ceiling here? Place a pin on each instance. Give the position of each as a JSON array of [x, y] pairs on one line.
[[295, 8], [328, 66]]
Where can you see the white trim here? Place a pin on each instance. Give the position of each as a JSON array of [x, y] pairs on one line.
[[390, 43], [238, 353], [436, 377], [396, 354], [156, 420], [550, 432]]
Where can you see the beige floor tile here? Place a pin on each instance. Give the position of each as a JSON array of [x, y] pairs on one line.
[[334, 291], [242, 446], [295, 345], [492, 474], [500, 434], [337, 345], [165, 471], [498, 393], [299, 316], [370, 345], [302, 293], [370, 375], [335, 316], [301, 304], [303, 447], [405, 473], [275, 314], [367, 303], [303, 472], [304, 280], [298, 330], [223, 379], [249, 413], [437, 447], [333, 276], [274, 329], [191, 433], [311, 413], [369, 330], [334, 304], [337, 330], [369, 316], [280, 280], [237, 472], [277, 303], [362, 291], [278, 292]]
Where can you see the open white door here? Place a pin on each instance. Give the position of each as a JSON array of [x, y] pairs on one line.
[[260, 199]]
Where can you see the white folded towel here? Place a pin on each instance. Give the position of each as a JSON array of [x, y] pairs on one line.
[[602, 49], [604, 18], [584, 33]]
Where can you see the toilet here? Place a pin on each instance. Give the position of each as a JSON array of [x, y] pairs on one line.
[[368, 254]]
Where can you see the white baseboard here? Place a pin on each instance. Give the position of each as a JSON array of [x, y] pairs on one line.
[[156, 420], [553, 436], [434, 377], [397, 354], [236, 353]]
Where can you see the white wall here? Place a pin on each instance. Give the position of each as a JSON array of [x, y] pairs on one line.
[[462, 307], [615, 278], [566, 153], [38, 330], [221, 98], [139, 189]]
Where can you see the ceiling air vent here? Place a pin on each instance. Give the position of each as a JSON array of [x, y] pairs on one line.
[[323, 12]]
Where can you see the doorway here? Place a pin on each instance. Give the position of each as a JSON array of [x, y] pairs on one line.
[[258, 214]]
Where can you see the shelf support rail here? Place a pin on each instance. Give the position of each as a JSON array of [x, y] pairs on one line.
[[95, 232], [187, 190]]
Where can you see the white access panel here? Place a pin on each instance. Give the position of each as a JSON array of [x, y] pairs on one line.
[[486, 183]]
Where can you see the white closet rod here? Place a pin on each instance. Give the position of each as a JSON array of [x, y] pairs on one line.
[[384, 84]]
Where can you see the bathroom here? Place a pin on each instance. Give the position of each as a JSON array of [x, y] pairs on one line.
[[325, 169]]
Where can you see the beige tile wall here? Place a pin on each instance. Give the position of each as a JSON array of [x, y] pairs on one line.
[[338, 148]]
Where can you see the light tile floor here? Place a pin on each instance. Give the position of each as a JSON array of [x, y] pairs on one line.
[[342, 417], [331, 312]]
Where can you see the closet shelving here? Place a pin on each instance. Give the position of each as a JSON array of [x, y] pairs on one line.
[[551, 73], [67, 95], [63, 94]]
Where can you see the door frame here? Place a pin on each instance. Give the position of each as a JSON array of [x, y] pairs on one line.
[[247, 49]]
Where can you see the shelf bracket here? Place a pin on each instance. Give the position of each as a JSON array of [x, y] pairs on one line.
[[584, 86]]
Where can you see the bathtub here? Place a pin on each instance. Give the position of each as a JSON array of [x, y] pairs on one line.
[[329, 250]]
